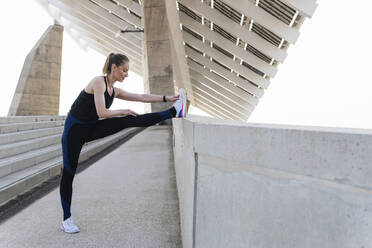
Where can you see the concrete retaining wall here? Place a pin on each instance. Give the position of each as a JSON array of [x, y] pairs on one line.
[[250, 185]]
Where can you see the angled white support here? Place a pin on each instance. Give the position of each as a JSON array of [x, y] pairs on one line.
[[306, 7], [97, 20], [205, 98], [231, 100], [218, 99], [131, 5], [227, 45], [204, 101], [94, 28], [266, 20], [91, 33], [88, 32], [213, 109], [232, 92], [213, 112], [113, 19], [257, 79], [227, 106], [235, 29], [119, 11], [243, 84]]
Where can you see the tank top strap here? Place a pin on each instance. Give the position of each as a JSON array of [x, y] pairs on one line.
[[113, 90], [104, 77]]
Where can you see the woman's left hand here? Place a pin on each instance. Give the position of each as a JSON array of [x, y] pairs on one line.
[[172, 98]]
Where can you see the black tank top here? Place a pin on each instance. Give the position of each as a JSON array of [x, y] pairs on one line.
[[84, 108]]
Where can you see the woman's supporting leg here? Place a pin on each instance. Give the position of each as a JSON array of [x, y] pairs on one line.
[[72, 142], [110, 126]]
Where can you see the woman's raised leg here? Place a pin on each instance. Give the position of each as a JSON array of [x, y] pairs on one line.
[[111, 126]]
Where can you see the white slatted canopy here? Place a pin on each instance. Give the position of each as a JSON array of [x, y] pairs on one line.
[[229, 50]]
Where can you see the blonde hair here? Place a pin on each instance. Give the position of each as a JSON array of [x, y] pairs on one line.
[[116, 59]]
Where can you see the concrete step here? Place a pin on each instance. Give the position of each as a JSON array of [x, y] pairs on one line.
[[16, 148], [8, 138], [21, 181], [16, 127], [24, 180], [29, 158], [16, 163], [25, 119]]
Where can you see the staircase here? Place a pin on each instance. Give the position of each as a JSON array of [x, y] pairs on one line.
[[31, 152]]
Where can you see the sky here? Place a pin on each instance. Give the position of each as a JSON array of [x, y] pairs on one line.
[[322, 82]]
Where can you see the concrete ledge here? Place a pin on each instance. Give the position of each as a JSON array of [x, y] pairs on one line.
[[28, 159], [30, 134], [253, 185], [28, 145], [24, 119], [16, 127]]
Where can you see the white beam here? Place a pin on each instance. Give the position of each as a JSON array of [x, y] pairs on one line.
[[227, 45], [224, 87], [90, 38], [79, 9], [91, 33], [201, 97], [96, 29], [211, 111], [217, 113], [213, 108], [119, 11], [218, 99], [205, 84], [244, 84], [266, 20], [257, 79], [235, 29], [197, 87], [306, 7], [133, 6], [118, 22]]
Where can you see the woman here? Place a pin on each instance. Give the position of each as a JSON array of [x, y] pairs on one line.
[[83, 124]]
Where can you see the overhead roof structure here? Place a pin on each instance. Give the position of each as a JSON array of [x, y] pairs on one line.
[[230, 48]]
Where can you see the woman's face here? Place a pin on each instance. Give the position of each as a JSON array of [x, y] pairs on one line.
[[121, 72]]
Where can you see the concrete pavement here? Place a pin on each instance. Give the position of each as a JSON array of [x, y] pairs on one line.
[[126, 199]]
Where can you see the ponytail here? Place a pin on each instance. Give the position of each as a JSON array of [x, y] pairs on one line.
[[107, 63], [116, 59]]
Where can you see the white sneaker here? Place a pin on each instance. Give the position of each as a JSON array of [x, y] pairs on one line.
[[68, 226], [180, 104]]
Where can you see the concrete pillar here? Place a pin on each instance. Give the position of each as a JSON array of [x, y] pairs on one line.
[[157, 62], [38, 88]]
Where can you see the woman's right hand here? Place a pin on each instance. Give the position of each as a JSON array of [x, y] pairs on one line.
[[128, 112]]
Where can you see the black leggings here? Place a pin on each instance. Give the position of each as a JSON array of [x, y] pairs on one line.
[[76, 133]]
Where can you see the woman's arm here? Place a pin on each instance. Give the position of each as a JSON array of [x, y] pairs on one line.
[[124, 95], [99, 101]]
